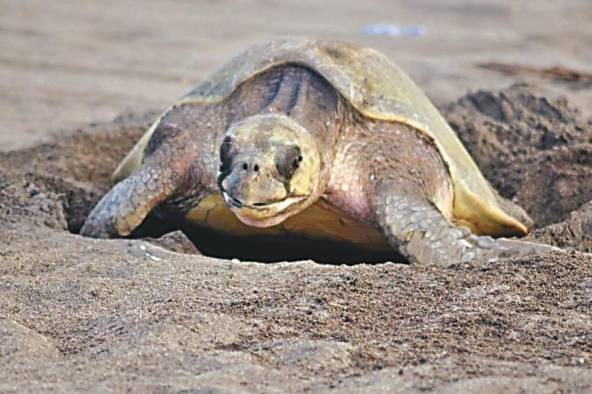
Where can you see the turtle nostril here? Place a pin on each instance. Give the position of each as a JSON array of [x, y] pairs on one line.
[[256, 168], [245, 166]]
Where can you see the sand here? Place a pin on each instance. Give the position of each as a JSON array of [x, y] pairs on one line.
[[81, 314], [66, 63], [153, 314]]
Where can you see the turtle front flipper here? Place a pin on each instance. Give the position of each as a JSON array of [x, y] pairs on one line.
[[128, 203], [421, 233]]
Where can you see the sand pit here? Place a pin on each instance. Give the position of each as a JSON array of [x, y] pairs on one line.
[[82, 314]]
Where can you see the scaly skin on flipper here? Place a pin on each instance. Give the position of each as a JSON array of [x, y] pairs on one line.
[[410, 195], [126, 205], [418, 230]]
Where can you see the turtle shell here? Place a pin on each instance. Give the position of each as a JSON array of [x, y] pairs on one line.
[[380, 90]]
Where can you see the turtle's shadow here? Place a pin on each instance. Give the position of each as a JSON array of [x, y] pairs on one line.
[[266, 249]]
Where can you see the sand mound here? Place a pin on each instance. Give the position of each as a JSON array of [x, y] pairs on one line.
[[82, 314], [533, 149]]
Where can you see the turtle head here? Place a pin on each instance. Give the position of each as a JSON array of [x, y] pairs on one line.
[[269, 170]]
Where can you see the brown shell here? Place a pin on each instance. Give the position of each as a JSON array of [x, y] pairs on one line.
[[379, 89]]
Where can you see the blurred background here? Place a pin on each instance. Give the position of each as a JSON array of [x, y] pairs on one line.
[[70, 62]]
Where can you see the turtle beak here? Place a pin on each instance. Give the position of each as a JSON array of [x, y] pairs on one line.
[[249, 185], [231, 201]]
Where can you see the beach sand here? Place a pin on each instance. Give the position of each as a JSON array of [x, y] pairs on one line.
[[81, 82]]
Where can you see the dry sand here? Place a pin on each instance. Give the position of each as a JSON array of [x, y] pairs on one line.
[[69, 62], [79, 314]]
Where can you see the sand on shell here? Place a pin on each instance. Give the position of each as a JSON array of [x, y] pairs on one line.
[[80, 314]]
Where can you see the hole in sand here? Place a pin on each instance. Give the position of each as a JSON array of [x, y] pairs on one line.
[[260, 248], [264, 248]]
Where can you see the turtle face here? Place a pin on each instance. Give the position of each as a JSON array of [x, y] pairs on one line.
[[269, 169]]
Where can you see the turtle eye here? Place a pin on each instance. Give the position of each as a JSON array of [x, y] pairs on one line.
[[226, 153], [287, 161]]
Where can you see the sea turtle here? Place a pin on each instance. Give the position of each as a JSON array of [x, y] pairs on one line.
[[319, 139]]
